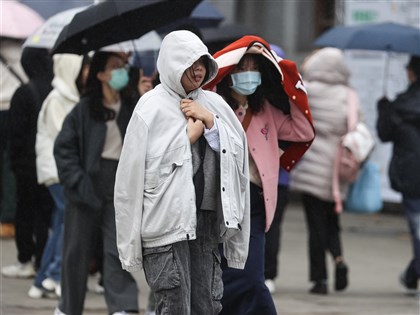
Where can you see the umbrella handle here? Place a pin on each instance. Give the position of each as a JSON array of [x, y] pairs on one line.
[[386, 73]]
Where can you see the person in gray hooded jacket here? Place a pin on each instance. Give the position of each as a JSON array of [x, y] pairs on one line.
[[182, 183]]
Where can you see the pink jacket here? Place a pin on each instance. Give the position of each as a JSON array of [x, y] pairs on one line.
[[263, 133], [296, 127]]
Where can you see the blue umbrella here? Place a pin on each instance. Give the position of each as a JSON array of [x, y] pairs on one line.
[[204, 15], [382, 36], [388, 37]]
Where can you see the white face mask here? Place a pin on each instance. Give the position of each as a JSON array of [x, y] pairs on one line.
[[245, 83]]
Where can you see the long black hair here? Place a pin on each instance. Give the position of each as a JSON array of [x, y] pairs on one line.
[[94, 87], [270, 88]]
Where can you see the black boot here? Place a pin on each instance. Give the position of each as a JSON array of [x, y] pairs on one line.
[[341, 276], [320, 287], [409, 278]]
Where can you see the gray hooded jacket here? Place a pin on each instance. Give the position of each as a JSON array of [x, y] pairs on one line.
[[154, 191]]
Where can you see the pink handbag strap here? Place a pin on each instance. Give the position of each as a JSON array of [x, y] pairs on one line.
[[351, 125], [353, 108]]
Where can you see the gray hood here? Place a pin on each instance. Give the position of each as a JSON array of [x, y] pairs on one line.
[[173, 60]]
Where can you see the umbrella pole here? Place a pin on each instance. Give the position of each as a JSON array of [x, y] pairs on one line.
[[386, 73]]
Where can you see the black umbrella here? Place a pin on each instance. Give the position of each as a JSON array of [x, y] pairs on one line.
[[116, 21]]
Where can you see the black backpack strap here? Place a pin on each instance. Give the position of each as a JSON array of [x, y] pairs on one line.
[[11, 70]]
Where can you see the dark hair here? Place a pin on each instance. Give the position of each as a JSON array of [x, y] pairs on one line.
[[206, 62], [80, 84], [270, 88], [414, 65], [94, 87]]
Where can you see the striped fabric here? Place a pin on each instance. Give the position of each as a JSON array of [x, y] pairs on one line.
[[229, 57]]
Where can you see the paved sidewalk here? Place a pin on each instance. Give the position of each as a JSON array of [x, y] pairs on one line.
[[376, 248]]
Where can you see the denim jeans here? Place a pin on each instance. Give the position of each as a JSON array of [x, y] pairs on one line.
[[412, 210], [186, 277], [51, 258]]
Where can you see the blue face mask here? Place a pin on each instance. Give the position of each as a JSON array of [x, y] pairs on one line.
[[245, 83], [119, 79]]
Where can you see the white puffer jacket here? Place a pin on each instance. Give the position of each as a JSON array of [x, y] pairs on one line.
[[55, 108], [326, 79]]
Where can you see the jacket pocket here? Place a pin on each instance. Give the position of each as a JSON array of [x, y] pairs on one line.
[[160, 266], [160, 169], [217, 283]]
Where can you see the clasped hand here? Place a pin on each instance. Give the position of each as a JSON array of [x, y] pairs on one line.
[[198, 117]]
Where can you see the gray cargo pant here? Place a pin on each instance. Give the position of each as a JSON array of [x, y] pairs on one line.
[[186, 277]]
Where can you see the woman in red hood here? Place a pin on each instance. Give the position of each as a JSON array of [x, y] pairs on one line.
[[268, 97]]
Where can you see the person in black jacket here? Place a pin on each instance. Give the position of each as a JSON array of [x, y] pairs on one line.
[[87, 152], [33, 202], [399, 123]]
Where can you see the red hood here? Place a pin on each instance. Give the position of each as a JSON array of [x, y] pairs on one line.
[[229, 57]]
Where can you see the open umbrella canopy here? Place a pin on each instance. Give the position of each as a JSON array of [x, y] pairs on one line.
[[150, 41], [18, 20], [116, 21], [381, 36], [204, 15], [47, 34]]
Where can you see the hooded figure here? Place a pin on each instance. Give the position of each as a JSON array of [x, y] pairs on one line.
[[294, 95], [33, 203], [26, 104], [326, 78], [59, 102], [155, 195], [267, 96], [55, 108]]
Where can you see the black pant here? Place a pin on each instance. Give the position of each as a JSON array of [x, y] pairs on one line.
[[324, 234], [33, 215], [80, 228], [272, 237], [244, 290]]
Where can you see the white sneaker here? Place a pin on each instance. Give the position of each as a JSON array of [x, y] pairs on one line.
[[38, 293], [49, 284], [120, 313], [270, 285], [58, 312], [58, 290], [99, 289], [19, 270], [35, 293]]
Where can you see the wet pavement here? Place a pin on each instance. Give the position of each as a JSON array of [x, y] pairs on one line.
[[376, 248]]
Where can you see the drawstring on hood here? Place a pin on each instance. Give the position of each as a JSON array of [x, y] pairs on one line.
[[173, 61]]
